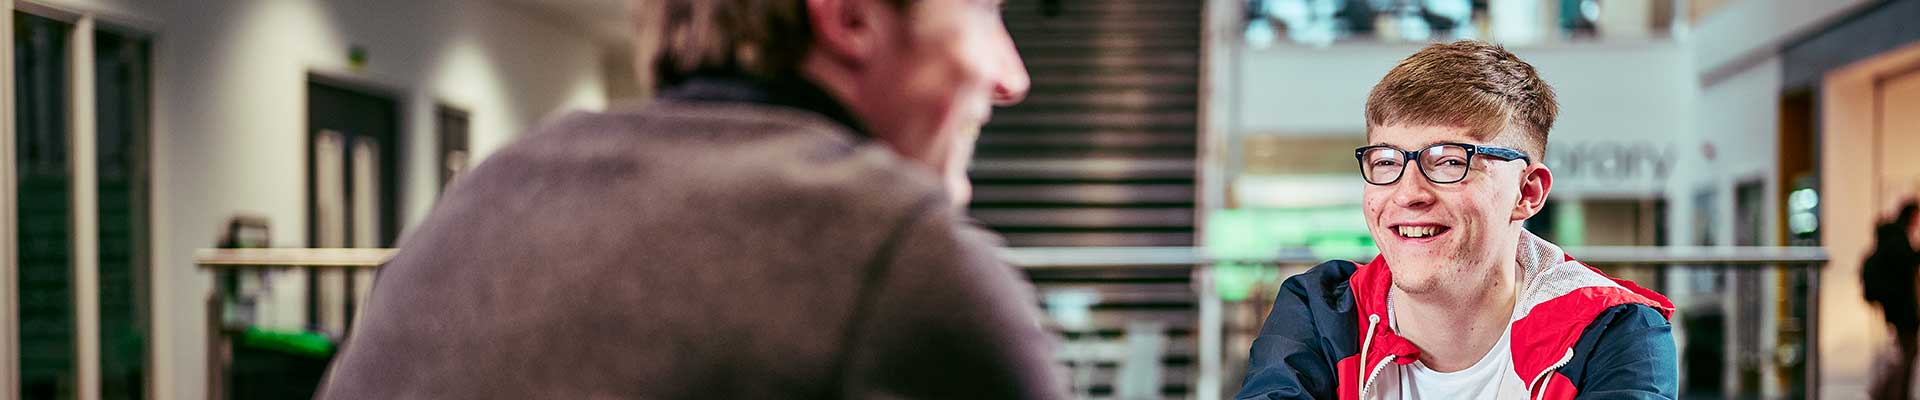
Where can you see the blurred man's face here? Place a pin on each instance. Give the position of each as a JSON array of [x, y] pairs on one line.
[[1444, 235], [933, 86]]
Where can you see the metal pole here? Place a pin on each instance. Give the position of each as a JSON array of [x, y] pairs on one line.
[[1207, 386], [1813, 330]]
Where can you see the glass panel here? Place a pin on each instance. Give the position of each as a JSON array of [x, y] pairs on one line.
[[1325, 22], [122, 68], [44, 178]]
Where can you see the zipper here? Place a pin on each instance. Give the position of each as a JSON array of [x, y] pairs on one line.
[[1377, 368], [1540, 391]]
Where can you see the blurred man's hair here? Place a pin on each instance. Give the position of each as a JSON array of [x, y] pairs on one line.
[[764, 39], [1467, 84]]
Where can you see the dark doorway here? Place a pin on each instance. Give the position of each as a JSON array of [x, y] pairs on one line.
[[44, 175], [352, 182], [361, 121], [122, 68]]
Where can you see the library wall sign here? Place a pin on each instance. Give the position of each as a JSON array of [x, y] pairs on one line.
[[1597, 162]]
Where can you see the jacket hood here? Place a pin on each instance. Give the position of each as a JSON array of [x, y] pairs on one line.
[[1560, 297]]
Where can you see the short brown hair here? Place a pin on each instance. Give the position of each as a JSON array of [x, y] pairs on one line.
[[1468, 84], [763, 39]]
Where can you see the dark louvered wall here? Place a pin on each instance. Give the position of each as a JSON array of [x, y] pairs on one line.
[[1102, 151]]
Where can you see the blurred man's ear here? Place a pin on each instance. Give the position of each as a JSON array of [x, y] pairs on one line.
[[1535, 181], [849, 31]]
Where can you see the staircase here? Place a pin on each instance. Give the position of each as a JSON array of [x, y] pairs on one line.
[[1103, 153]]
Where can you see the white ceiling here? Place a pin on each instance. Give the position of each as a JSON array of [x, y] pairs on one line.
[[607, 20]]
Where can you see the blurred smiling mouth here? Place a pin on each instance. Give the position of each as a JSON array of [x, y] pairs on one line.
[[1419, 231]]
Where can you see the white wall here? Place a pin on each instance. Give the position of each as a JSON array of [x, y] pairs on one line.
[[1739, 117], [229, 121], [1748, 32]]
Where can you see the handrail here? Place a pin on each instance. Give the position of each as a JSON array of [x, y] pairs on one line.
[[291, 257], [1199, 259], [1104, 257], [1100, 257]]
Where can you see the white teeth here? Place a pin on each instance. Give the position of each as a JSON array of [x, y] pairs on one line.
[[1418, 231]]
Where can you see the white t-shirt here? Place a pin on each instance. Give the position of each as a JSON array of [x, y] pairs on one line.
[[1490, 378]]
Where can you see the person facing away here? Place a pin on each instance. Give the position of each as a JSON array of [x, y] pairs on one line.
[[1887, 280], [781, 222], [1462, 302]]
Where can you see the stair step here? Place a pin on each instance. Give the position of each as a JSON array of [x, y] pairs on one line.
[[1084, 239], [1101, 138], [1091, 169], [1085, 217], [1082, 194]]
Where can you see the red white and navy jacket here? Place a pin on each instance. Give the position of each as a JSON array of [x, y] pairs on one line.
[[1577, 333]]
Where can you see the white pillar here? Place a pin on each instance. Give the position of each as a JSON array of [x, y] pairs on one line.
[[86, 211], [9, 320]]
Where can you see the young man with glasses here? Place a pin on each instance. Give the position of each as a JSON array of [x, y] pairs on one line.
[[1473, 306]]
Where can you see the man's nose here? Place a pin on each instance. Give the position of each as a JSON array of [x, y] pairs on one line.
[[1012, 84], [1413, 190]]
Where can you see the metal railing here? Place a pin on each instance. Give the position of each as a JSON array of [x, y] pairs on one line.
[[1210, 379], [1102, 257]]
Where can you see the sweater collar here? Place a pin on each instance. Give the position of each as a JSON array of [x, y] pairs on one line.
[[792, 92]]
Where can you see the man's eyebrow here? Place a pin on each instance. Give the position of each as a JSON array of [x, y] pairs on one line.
[[1429, 144]]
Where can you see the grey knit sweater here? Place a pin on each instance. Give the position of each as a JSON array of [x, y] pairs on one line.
[[696, 250]]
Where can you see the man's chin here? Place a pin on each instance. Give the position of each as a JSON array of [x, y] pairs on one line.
[[1416, 274], [959, 191], [1417, 284]]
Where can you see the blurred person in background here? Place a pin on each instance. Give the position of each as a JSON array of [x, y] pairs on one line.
[[1887, 281], [782, 222], [1462, 302]]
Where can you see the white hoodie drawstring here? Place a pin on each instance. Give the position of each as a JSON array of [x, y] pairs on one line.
[[1373, 321]]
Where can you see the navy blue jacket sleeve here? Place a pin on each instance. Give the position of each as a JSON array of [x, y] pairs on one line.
[[1628, 354], [1300, 342]]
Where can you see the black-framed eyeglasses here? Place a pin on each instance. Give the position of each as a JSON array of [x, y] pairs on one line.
[[1440, 163]]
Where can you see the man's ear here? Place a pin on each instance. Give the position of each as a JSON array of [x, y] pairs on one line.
[[1535, 181], [847, 30]]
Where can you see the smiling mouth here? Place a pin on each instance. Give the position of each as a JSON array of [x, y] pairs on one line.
[[1419, 231]]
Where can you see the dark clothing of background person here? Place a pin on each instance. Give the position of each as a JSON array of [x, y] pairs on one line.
[[1887, 280], [735, 239]]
